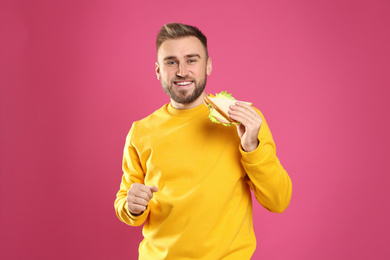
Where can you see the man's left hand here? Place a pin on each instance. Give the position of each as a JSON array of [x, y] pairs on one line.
[[250, 125]]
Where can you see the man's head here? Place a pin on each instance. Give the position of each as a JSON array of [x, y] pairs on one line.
[[182, 63], [178, 30]]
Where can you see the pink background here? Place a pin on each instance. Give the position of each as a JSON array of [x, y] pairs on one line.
[[75, 75]]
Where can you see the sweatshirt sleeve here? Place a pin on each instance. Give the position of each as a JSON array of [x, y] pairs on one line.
[[132, 173], [267, 178]]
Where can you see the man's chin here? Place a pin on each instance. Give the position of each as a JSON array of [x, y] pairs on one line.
[[184, 96], [183, 99]]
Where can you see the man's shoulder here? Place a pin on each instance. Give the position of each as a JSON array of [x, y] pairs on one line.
[[145, 129], [153, 119]]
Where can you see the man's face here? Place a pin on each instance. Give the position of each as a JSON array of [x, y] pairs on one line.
[[182, 67]]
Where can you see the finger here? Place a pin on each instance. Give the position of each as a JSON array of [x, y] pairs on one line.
[[244, 117], [138, 201], [142, 195], [243, 104], [136, 209], [244, 112], [141, 190], [245, 108], [148, 192], [153, 189]]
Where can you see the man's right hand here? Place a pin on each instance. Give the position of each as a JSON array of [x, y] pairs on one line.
[[138, 197]]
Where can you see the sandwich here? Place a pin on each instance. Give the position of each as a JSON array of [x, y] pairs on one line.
[[219, 107]]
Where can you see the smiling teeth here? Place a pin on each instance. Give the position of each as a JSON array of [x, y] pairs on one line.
[[183, 83]]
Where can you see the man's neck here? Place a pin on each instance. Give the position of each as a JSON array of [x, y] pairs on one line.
[[195, 103]]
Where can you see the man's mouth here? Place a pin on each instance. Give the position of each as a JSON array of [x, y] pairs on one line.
[[183, 83]]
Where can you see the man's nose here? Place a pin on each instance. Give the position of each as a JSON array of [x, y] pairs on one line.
[[182, 71]]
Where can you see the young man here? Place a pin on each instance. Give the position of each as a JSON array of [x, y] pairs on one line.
[[189, 179]]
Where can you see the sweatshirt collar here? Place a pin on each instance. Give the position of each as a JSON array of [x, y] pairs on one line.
[[187, 112]]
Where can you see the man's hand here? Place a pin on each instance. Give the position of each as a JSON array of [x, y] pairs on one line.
[[250, 125], [138, 197]]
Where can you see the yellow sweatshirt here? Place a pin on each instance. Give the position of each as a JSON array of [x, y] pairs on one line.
[[203, 208]]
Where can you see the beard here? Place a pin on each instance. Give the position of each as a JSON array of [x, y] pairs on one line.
[[184, 96]]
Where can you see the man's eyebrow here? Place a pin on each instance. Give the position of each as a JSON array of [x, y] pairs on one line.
[[170, 58], [187, 56], [192, 56]]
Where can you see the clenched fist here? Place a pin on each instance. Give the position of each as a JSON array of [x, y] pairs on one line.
[[138, 197]]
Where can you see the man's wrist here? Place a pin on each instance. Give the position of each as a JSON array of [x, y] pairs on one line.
[[251, 148]]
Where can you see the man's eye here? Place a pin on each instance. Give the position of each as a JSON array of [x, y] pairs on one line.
[[171, 62], [191, 61]]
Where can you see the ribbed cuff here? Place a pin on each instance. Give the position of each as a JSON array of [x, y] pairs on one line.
[[256, 155]]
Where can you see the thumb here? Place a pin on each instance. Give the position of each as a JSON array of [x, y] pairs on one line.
[[153, 188]]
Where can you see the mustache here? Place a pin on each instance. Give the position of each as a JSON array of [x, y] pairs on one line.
[[178, 78]]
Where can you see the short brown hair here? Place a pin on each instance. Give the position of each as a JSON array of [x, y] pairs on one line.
[[178, 30]]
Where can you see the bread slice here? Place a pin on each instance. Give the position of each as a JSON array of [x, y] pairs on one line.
[[221, 105]]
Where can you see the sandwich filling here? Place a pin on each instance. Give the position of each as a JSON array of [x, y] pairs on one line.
[[219, 107]]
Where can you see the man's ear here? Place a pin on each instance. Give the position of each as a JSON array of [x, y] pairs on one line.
[[209, 67], [158, 71]]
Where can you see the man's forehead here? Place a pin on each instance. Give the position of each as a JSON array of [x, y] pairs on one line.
[[181, 47]]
